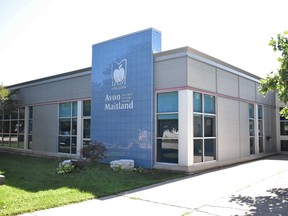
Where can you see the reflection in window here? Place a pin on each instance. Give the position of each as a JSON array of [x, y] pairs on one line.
[[204, 118], [30, 127], [283, 125], [67, 128], [167, 127], [260, 129], [86, 116], [251, 128], [12, 128]]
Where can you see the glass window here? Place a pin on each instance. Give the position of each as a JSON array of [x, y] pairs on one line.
[[167, 127], [87, 108], [74, 109], [204, 118], [198, 132], [284, 145], [167, 102], [251, 127], [86, 128], [260, 113], [251, 111], [65, 110], [198, 151], [209, 126], [64, 126], [197, 102], [22, 113], [167, 150], [30, 127], [6, 127], [284, 128], [68, 127], [12, 128], [210, 149], [252, 145], [209, 104]]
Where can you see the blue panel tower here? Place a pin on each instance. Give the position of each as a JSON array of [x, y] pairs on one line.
[[122, 96]]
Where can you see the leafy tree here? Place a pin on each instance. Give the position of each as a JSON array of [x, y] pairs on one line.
[[4, 93], [8, 100], [278, 80]]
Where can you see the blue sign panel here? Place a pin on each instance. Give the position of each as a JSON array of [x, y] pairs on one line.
[[122, 96]]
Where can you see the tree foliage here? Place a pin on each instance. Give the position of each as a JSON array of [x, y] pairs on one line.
[[4, 93], [8, 100], [278, 80]]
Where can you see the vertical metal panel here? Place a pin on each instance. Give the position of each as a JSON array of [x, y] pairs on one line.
[[170, 73], [201, 75], [45, 130], [227, 83], [247, 89], [228, 129], [244, 130]]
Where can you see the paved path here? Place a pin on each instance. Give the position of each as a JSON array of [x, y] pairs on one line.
[[254, 188]]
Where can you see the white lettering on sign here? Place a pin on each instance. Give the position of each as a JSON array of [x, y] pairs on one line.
[[119, 102]]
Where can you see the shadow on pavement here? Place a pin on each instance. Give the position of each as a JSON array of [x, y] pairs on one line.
[[276, 204]]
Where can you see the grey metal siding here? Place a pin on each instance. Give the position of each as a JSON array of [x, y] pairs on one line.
[[244, 129], [228, 129], [73, 88], [201, 75], [227, 83], [170, 73], [45, 128], [247, 89]]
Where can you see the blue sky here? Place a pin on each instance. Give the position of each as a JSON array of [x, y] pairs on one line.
[[39, 38]]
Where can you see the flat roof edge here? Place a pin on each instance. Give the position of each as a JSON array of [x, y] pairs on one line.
[[80, 72], [200, 56]]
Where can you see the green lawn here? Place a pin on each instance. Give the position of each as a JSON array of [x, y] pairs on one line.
[[32, 183]]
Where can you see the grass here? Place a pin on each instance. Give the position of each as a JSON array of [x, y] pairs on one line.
[[32, 183]]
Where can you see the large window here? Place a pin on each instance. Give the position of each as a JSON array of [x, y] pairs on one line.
[[260, 129], [283, 125], [251, 129], [30, 127], [204, 118], [167, 127], [86, 116], [67, 128], [12, 128]]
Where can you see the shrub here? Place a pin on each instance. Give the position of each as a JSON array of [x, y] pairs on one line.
[[65, 168], [95, 151]]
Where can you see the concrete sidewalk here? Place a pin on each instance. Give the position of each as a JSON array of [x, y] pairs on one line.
[[254, 188]]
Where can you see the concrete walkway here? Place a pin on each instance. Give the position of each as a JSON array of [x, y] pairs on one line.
[[254, 188]]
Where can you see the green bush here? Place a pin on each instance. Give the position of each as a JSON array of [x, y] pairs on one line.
[[65, 168]]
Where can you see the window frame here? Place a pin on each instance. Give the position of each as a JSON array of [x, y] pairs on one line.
[[201, 153], [172, 145]]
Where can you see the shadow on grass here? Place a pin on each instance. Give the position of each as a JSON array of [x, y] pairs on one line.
[[276, 204]]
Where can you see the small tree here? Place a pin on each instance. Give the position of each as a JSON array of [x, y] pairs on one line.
[[278, 80], [95, 151]]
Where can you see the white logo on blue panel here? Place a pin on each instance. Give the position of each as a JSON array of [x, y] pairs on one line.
[[119, 73]]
